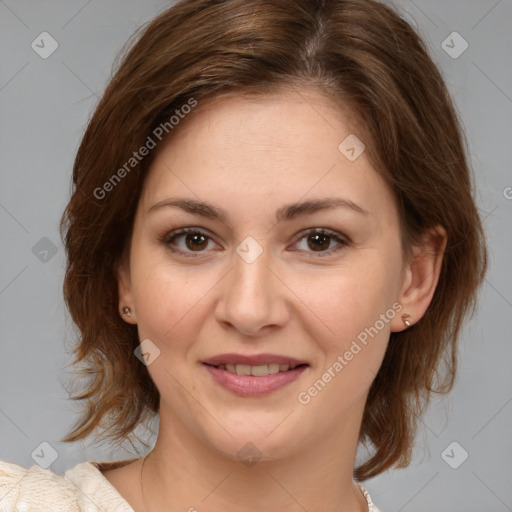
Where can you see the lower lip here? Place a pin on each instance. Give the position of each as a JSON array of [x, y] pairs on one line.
[[249, 385]]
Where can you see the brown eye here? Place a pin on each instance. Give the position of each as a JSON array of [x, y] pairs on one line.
[[196, 242], [319, 242], [186, 241], [323, 242]]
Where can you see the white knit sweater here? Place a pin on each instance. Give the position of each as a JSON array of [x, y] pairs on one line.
[[83, 488]]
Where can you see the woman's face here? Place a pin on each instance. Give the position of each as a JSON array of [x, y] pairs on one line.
[[292, 254]]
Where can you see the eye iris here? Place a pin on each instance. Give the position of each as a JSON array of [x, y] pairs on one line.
[[321, 241], [199, 241]]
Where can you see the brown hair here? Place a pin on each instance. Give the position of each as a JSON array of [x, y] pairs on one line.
[[364, 57]]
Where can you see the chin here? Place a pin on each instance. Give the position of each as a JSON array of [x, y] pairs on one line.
[[249, 451], [258, 440]]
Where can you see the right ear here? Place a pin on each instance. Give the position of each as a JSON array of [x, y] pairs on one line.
[[124, 291]]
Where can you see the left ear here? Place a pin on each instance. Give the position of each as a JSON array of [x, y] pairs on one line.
[[421, 277], [124, 290]]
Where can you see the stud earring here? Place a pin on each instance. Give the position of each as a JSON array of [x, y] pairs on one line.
[[127, 311], [405, 319]]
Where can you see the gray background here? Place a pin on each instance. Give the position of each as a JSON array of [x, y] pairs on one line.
[[44, 108]]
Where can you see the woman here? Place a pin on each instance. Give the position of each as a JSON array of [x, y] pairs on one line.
[[272, 243]]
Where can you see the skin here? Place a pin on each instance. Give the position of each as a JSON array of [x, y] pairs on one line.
[[251, 157]]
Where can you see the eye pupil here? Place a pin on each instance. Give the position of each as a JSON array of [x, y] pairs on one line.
[[199, 241], [319, 238]]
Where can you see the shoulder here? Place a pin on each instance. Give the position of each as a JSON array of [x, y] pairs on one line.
[[24, 488], [89, 478], [36, 489]]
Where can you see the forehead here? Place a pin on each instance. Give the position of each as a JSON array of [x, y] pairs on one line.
[[286, 119], [263, 150]]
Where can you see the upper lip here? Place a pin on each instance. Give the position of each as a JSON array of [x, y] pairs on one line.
[[255, 360]]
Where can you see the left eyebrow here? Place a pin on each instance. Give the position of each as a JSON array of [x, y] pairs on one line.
[[291, 211], [286, 212]]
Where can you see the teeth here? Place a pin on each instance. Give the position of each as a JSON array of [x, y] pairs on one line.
[[243, 369], [258, 371], [273, 368]]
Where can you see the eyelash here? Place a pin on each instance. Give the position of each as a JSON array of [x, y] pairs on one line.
[[342, 240]]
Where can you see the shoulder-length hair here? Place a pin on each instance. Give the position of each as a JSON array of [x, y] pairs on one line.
[[363, 56]]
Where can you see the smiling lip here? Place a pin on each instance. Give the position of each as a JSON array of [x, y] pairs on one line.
[[250, 385]]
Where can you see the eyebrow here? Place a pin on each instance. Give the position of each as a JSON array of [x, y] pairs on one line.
[[286, 212]]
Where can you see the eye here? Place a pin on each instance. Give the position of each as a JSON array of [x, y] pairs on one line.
[[193, 240], [319, 241]]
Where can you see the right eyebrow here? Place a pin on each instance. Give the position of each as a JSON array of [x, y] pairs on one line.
[[192, 206]]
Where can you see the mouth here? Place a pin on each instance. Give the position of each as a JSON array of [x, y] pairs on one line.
[[254, 375]]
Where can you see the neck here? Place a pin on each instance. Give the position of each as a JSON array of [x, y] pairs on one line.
[[182, 472]]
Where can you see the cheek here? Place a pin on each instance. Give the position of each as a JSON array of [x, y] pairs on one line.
[[166, 297], [353, 309], [352, 336], [170, 299], [346, 300]]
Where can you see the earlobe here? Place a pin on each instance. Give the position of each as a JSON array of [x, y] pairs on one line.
[[421, 278], [126, 307]]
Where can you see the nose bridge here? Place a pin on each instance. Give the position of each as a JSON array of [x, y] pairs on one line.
[[252, 297]]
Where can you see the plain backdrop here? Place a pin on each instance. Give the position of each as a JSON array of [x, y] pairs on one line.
[[45, 104]]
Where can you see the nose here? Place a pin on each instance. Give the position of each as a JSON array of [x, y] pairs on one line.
[[253, 298]]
